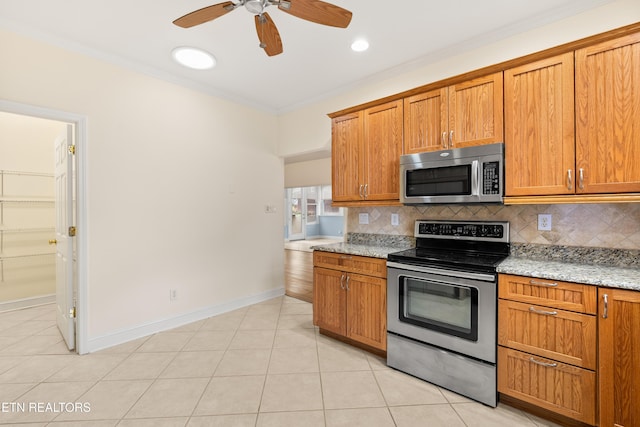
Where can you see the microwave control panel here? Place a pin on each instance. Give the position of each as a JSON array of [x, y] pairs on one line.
[[491, 178]]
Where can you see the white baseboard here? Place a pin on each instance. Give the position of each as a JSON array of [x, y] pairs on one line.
[[19, 304], [123, 336]]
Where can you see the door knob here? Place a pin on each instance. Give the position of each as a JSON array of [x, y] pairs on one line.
[[53, 242]]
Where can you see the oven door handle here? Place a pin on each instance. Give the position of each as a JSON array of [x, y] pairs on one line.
[[460, 274]]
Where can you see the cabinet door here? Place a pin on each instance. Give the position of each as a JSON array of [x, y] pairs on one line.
[[367, 310], [351, 263], [556, 334], [426, 122], [475, 112], [550, 293], [539, 128], [383, 147], [619, 357], [346, 157], [564, 389], [329, 300], [608, 116]]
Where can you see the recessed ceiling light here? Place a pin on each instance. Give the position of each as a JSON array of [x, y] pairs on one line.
[[360, 45], [193, 57]]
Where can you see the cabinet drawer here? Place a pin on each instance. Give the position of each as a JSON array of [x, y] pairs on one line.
[[351, 263], [549, 293], [560, 388], [557, 334]]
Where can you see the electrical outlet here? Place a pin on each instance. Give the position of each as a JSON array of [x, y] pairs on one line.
[[173, 294], [544, 222], [394, 219], [363, 218]]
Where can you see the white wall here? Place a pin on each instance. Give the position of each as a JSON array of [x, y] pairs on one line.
[[177, 185], [308, 128], [308, 173]]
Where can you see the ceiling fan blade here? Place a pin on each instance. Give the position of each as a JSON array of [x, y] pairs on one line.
[[205, 14], [319, 12], [268, 34]]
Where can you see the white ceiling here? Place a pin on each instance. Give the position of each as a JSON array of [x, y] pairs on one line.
[[317, 60]]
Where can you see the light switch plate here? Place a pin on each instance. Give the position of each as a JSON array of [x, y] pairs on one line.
[[364, 218], [394, 219]]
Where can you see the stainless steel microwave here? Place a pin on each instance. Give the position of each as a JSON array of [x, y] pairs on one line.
[[460, 175]]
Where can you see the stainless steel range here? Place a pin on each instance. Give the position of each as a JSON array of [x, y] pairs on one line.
[[442, 305]]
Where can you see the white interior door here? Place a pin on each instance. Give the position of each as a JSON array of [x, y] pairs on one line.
[[65, 315], [297, 214]]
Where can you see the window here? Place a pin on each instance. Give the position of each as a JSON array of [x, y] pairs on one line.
[[327, 209], [311, 194]]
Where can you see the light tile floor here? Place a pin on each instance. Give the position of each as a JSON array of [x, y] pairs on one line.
[[263, 365]]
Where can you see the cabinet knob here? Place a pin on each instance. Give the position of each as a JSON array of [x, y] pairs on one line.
[[53, 242]]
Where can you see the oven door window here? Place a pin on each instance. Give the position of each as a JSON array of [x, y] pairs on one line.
[[444, 181], [447, 308]]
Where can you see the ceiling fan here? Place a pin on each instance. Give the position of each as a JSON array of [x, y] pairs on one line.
[[316, 11]]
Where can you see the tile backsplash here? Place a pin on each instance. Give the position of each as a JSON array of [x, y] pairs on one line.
[[589, 225]]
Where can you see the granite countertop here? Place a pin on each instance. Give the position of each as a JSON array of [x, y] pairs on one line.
[[598, 275], [612, 268], [371, 245], [359, 249]]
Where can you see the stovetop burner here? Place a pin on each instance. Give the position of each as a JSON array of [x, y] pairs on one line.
[[464, 245]]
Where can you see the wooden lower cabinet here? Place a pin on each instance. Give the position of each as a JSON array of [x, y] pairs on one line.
[[547, 337], [558, 387], [329, 300], [350, 304], [564, 336], [619, 358]]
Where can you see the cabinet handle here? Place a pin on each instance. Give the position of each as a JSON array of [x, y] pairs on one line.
[[451, 139], [342, 282], [348, 278], [360, 191], [581, 178], [537, 362], [569, 180], [605, 309], [546, 313], [538, 283], [444, 140], [345, 256], [366, 191]]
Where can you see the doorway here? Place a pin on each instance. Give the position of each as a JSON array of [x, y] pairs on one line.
[[310, 214], [75, 310], [302, 208]]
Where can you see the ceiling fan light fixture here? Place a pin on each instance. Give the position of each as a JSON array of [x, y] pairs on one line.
[[360, 45], [194, 58]]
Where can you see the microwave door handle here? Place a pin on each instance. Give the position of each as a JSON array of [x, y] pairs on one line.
[[476, 179]]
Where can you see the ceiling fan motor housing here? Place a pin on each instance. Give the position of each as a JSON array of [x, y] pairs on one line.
[[256, 6]]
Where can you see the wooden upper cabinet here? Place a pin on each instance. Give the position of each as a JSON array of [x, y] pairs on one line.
[[426, 121], [382, 150], [608, 116], [461, 115], [539, 127], [347, 158], [475, 112], [365, 155]]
